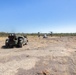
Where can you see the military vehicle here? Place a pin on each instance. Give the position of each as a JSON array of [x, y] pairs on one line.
[[15, 41], [44, 36]]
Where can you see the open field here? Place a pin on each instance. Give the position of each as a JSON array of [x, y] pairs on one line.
[[49, 56]]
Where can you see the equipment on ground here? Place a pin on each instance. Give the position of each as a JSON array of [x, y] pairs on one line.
[[15, 40]]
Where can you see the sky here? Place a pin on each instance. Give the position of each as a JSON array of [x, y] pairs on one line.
[[32, 16]]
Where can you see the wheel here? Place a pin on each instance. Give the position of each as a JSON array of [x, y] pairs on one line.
[[20, 45], [11, 46], [7, 45]]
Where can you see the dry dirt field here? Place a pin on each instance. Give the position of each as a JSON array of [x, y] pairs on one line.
[[49, 56]]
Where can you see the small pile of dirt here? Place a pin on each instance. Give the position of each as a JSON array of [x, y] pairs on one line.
[[45, 72]]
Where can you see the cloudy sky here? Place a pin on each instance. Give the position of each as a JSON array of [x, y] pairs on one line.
[[37, 16]]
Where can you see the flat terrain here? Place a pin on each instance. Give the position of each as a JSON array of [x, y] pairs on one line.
[[49, 56]]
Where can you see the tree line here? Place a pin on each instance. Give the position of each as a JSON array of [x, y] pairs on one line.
[[5, 34]]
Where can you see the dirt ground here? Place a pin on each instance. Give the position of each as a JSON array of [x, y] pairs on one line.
[[49, 56]]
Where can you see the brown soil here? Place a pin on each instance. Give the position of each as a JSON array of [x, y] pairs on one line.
[[48, 56]]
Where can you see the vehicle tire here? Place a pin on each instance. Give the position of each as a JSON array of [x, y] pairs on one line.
[[7, 46], [20, 45], [11, 46]]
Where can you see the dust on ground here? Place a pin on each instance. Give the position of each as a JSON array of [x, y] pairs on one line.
[[48, 56]]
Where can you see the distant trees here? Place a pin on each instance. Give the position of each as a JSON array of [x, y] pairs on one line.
[[51, 34], [38, 34], [4, 34]]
